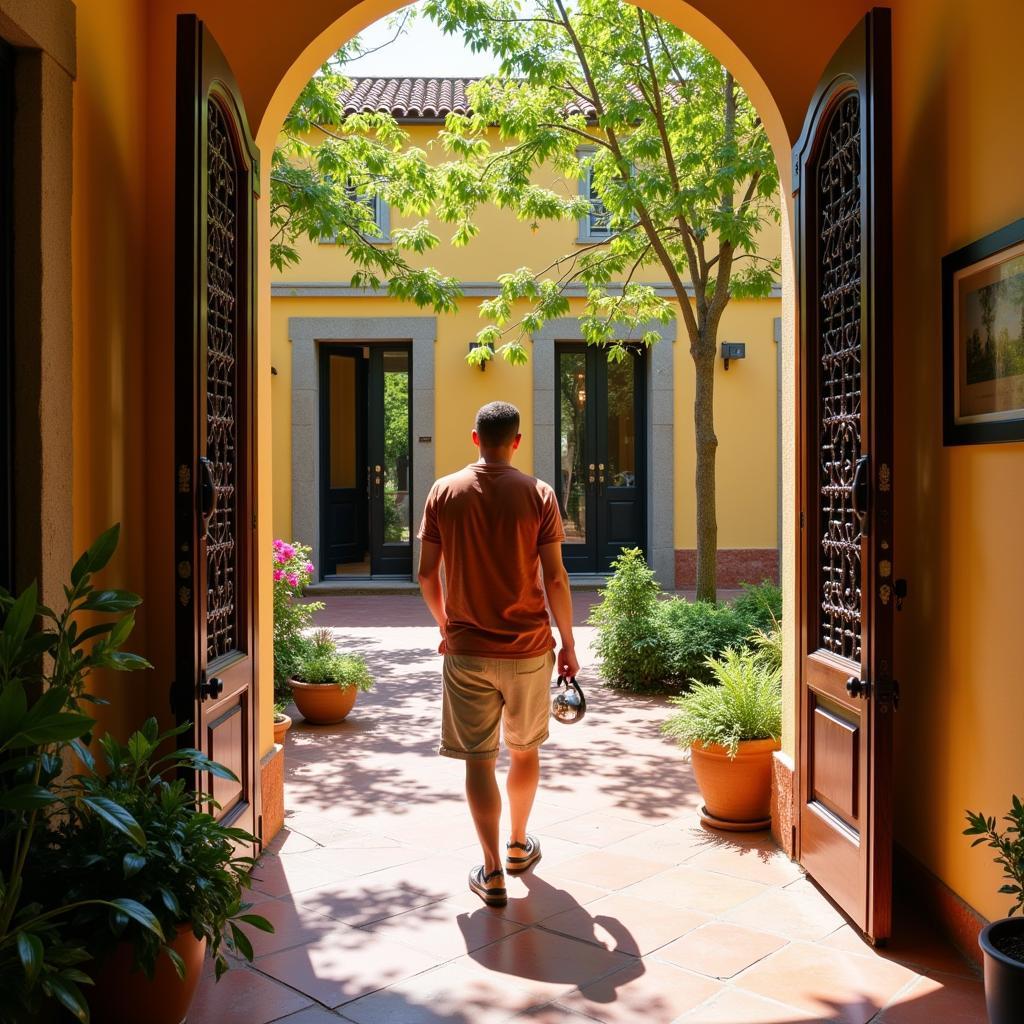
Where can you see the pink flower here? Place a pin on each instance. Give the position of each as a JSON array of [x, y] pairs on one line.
[[278, 575], [309, 568], [278, 544], [288, 551], [293, 579], [279, 558]]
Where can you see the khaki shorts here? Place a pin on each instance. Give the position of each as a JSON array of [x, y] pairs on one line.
[[483, 694]]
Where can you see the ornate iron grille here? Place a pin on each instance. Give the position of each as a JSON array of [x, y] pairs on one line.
[[839, 277], [221, 385]]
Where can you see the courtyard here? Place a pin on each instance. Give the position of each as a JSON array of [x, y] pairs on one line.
[[635, 913]]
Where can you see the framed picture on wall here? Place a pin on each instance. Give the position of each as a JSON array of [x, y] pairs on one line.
[[983, 339]]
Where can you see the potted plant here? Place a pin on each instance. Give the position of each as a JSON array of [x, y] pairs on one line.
[[732, 726], [176, 860], [1002, 942], [326, 682], [293, 617], [282, 721]]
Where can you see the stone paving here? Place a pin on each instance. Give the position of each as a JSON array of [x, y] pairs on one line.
[[635, 913]]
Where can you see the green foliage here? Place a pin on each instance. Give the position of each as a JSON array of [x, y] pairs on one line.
[[647, 643], [137, 830], [292, 616], [744, 702], [322, 663], [45, 661], [1009, 847]]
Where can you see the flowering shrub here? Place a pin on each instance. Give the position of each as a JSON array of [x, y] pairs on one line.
[[292, 572]]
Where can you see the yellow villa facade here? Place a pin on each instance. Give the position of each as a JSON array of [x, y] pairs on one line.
[[335, 347]]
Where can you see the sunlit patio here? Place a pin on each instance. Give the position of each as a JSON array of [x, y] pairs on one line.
[[635, 913]]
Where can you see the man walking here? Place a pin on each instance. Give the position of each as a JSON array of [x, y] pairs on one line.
[[496, 530]]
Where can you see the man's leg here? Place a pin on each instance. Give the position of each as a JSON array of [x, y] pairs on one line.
[[523, 778], [484, 801]]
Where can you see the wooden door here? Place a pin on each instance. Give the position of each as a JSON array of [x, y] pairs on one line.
[[6, 315], [217, 178], [343, 475], [390, 460], [842, 181]]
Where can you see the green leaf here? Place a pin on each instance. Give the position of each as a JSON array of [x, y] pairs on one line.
[[137, 912], [179, 964], [101, 551], [69, 995], [241, 942], [59, 728], [111, 601], [123, 661], [26, 797], [116, 815], [13, 708], [19, 618], [257, 922], [30, 952], [133, 863], [170, 901]]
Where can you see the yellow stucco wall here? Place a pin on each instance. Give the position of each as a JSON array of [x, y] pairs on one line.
[[746, 395]]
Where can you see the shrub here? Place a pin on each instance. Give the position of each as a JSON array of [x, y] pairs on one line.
[[292, 573], [696, 632], [760, 606], [322, 663], [1009, 847], [743, 703], [630, 635]]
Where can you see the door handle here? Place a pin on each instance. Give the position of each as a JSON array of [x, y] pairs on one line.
[[859, 491], [211, 688], [858, 687], [207, 493]]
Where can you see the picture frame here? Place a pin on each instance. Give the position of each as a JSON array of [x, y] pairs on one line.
[[983, 340]]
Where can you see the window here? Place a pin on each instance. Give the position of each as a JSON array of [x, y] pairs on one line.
[[595, 226], [381, 217]]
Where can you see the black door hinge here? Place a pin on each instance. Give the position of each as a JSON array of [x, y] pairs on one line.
[[887, 693]]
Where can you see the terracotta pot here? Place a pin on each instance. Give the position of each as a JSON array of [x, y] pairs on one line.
[[124, 995], [322, 703], [281, 727], [735, 790]]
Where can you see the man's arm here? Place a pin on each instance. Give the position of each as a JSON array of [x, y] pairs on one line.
[[556, 585], [430, 585]]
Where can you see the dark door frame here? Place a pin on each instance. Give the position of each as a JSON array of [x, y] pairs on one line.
[[598, 556], [7, 104]]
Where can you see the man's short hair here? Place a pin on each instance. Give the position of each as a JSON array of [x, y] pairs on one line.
[[497, 424]]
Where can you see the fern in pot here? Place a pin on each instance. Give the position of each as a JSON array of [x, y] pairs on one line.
[[326, 681], [1002, 942], [731, 727]]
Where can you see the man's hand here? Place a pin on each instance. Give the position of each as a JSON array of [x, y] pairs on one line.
[[568, 665], [442, 647]]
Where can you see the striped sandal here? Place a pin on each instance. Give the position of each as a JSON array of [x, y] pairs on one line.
[[493, 896], [531, 854]]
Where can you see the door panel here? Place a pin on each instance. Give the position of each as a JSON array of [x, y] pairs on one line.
[[842, 179], [6, 315], [216, 184], [599, 417], [343, 460], [390, 460]]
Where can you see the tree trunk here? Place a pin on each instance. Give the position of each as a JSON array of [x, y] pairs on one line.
[[706, 449]]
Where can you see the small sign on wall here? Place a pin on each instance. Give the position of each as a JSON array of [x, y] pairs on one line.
[[425, 439]]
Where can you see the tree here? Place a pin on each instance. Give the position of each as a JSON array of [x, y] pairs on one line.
[[676, 154], [678, 158]]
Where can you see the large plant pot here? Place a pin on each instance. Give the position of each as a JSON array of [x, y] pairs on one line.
[[124, 995], [281, 727], [322, 703], [736, 791], [1004, 974]]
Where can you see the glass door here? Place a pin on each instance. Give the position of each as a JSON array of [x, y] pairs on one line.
[[390, 463], [600, 432]]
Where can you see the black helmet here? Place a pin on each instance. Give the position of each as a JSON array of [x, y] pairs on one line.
[[568, 705]]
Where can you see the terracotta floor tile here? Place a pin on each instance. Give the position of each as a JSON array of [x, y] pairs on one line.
[[445, 929], [244, 997], [352, 965], [795, 913], [733, 1006], [948, 998], [917, 945], [452, 994], [836, 985], [553, 1013], [691, 889], [283, 876], [606, 870], [646, 992], [595, 828], [293, 926], [668, 844], [289, 841], [625, 923], [544, 964], [314, 1015], [772, 867], [720, 950]]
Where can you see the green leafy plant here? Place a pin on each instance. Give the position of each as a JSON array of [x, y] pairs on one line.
[[743, 703], [45, 662], [696, 631], [760, 606], [174, 858], [1009, 847], [292, 616], [322, 663]]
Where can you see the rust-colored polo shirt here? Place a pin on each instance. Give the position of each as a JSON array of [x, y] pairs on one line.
[[491, 521]]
